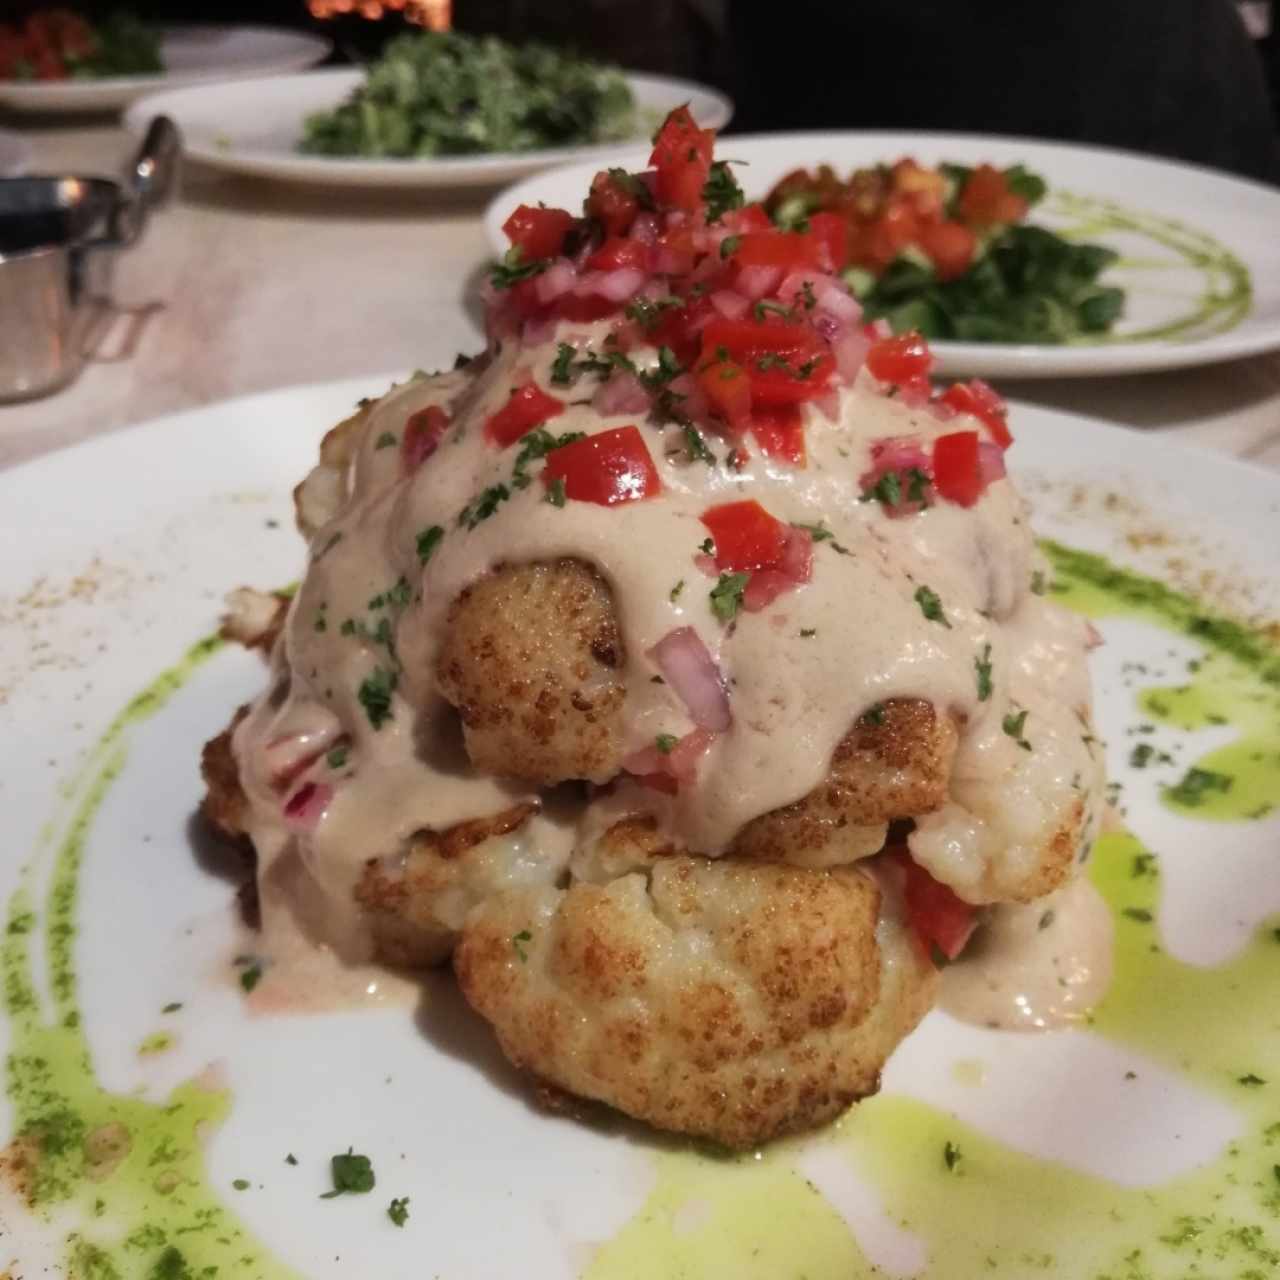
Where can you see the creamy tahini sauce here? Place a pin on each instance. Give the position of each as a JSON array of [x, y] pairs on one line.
[[1035, 966], [793, 697]]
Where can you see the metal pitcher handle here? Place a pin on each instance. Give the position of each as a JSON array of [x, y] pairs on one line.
[[149, 181]]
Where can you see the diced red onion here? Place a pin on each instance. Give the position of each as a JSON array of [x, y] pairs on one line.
[[941, 410], [1093, 638], [757, 282], [617, 285], [538, 329], [694, 677], [794, 282], [694, 402], [828, 405], [653, 768], [797, 555], [850, 351], [990, 462], [556, 280], [706, 564], [733, 306], [915, 393], [899, 454], [645, 228], [622, 392], [305, 807], [672, 262], [794, 569], [838, 302]]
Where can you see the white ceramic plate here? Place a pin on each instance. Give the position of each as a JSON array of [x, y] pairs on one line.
[[1203, 210], [15, 154], [191, 54], [254, 128], [128, 546]]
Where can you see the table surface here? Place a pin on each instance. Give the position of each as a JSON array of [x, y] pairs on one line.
[[243, 285]]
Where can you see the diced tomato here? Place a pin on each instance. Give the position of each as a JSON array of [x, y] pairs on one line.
[[779, 431], [987, 201], [950, 247], [617, 253], [831, 233], [751, 217], [528, 407], [682, 156], [607, 468], [787, 363], [900, 359], [897, 227], [681, 328], [538, 232], [422, 433], [583, 308], [677, 251], [728, 388], [747, 537], [957, 473], [785, 249], [985, 404], [939, 917], [612, 203]]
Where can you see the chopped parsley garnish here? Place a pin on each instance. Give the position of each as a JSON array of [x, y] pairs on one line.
[[1140, 914], [707, 547], [484, 506], [676, 590], [729, 246], [763, 307], [631, 183], [512, 269], [668, 367], [349, 627], [647, 312], [555, 492], [807, 633], [1037, 583], [291, 1158], [385, 441], [666, 743], [726, 595], [561, 366], [1141, 755], [1143, 865], [982, 666], [172, 1007], [721, 191], [874, 714], [428, 541], [772, 360], [517, 944], [931, 605], [398, 1211], [338, 756], [534, 445], [1046, 920], [350, 1173], [250, 976], [951, 1156], [240, 1184], [805, 371], [888, 490], [375, 695], [329, 546], [1251, 1081], [1014, 725], [696, 446], [916, 481], [806, 292], [1196, 784]]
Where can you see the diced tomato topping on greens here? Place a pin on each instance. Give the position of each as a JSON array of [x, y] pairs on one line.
[[682, 157], [978, 399], [528, 407], [987, 201], [950, 246], [957, 470], [939, 918], [746, 536], [617, 253], [607, 468], [786, 249], [538, 232], [831, 232]]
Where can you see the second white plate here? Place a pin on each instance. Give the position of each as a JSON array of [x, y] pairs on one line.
[[1194, 240], [254, 126]]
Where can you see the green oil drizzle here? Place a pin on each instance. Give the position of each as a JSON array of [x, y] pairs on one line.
[[122, 1178], [1234, 682], [991, 1209], [994, 1210], [1227, 294]]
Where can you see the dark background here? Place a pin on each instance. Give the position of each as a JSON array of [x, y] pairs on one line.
[[1179, 78]]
